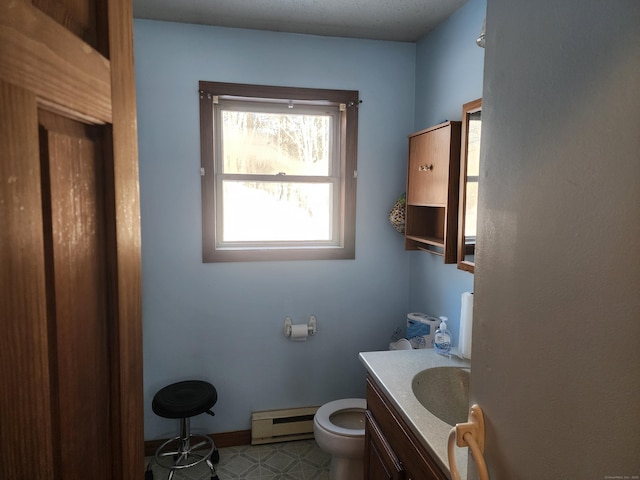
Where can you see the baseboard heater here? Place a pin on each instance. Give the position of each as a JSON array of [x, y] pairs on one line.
[[272, 426]]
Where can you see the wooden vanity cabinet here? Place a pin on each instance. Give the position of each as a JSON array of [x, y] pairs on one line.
[[392, 450], [381, 463], [433, 181]]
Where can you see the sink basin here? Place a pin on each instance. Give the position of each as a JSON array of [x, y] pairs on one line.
[[444, 391]]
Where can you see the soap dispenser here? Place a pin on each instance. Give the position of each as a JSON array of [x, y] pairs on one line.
[[442, 339]]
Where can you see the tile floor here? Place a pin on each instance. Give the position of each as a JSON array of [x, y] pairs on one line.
[[299, 460]]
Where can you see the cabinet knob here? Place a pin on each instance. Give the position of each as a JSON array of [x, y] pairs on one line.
[[425, 168]]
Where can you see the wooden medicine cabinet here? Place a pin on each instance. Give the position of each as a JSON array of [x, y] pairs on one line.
[[432, 190], [469, 175]]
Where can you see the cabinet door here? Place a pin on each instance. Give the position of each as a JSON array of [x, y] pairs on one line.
[[406, 451], [381, 463], [429, 154]]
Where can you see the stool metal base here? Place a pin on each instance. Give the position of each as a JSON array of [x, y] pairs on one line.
[[180, 452]]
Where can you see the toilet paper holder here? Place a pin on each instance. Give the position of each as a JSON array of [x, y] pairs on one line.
[[312, 325]]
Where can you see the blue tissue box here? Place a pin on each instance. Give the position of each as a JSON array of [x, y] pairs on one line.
[[416, 328], [421, 329]]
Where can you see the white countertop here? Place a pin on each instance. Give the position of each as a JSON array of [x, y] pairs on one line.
[[393, 371]]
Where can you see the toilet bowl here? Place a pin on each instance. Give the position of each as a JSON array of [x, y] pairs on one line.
[[338, 428]]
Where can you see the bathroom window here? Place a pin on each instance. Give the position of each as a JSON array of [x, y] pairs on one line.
[[278, 172]]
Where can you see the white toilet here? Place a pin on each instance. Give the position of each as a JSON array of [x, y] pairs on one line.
[[338, 428]]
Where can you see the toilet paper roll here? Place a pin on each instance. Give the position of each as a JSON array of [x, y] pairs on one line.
[[466, 325], [299, 332]]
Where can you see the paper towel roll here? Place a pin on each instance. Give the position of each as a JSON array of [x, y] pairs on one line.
[[466, 325], [299, 332]]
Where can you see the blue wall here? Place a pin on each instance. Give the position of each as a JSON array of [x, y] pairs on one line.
[[449, 66], [224, 322], [449, 71]]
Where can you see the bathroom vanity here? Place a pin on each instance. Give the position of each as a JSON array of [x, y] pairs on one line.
[[403, 439]]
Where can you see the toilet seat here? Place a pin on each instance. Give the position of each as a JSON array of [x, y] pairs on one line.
[[323, 416]]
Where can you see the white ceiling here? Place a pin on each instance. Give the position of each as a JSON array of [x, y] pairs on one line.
[[395, 20]]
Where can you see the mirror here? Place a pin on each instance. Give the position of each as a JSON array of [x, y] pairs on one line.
[[469, 173]]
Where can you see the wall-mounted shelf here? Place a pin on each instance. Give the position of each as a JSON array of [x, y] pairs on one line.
[[432, 190]]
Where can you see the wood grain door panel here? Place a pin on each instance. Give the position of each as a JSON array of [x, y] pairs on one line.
[[85, 19], [72, 168]]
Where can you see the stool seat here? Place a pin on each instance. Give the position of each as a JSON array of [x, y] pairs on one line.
[[184, 399]]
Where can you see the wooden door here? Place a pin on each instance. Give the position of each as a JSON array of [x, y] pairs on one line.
[[429, 156], [70, 349]]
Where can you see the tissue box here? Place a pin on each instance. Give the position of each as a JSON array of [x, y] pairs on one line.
[[421, 329]]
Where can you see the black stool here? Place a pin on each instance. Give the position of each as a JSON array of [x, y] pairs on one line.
[[184, 400]]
